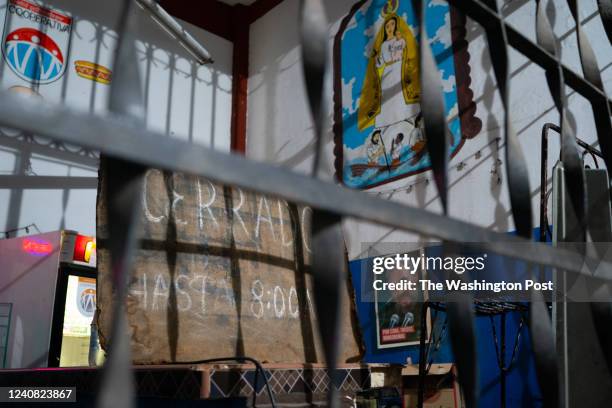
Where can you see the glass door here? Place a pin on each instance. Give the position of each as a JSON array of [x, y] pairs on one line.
[[73, 315]]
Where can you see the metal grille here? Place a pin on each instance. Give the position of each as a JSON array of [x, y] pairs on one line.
[[130, 149]]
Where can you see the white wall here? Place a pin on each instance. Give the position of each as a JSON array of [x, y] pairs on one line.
[[183, 100], [280, 129]]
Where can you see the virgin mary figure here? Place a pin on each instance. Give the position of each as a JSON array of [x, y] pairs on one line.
[[390, 92]]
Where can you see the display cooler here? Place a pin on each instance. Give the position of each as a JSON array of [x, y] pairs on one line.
[[47, 300]]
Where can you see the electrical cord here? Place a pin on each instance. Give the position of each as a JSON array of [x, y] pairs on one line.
[[517, 339], [585, 152], [26, 228], [258, 368], [434, 342]]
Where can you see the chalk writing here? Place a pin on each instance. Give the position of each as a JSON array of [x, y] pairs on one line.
[[194, 291], [219, 271], [210, 205]]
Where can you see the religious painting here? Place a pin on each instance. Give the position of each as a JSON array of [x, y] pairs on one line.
[[379, 129]]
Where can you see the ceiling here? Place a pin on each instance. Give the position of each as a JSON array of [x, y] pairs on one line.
[[233, 2]]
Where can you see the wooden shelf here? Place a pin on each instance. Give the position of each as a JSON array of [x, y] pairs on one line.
[[436, 369]]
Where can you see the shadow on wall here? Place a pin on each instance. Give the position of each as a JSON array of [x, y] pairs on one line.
[[53, 185], [531, 107]]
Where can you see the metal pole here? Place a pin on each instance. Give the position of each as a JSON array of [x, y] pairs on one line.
[[503, 360], [543, 186], [118, 138], [423, 355], [175, 30]]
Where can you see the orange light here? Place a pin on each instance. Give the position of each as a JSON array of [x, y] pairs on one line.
[[88, 249], [83, 248]]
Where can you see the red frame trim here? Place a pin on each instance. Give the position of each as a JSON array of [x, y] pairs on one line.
[[240, 77]]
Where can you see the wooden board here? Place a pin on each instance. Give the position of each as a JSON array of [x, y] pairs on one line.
[[220, 272]]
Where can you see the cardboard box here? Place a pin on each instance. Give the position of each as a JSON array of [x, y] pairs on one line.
[[441, 387]]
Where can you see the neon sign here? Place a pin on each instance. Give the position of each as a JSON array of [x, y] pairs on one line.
[[36, 246]]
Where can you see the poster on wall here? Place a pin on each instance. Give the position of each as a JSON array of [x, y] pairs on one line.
[[36, 41], [399, 312], [86, 296], [80, 306], [378, 125]]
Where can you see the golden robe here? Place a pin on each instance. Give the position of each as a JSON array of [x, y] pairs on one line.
[[371, 92]]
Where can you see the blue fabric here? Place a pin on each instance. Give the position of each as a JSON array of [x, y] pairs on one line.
[[521, 383]]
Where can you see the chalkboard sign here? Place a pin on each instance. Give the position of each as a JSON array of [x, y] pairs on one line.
[[219, 272]]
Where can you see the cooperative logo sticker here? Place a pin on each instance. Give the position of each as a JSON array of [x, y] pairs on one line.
[[86, 296], [92, 71], [36, 56]]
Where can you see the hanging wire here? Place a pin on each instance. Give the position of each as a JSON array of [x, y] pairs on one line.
[[585, 152], [26, 229], [517, 339], [435, 342], [426, 180]]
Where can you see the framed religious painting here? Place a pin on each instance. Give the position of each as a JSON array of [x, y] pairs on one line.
[[378, 126]]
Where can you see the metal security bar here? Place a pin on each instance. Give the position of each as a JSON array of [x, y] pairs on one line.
[[117, 138], [545, 54], [485, 16], [121, 138]]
